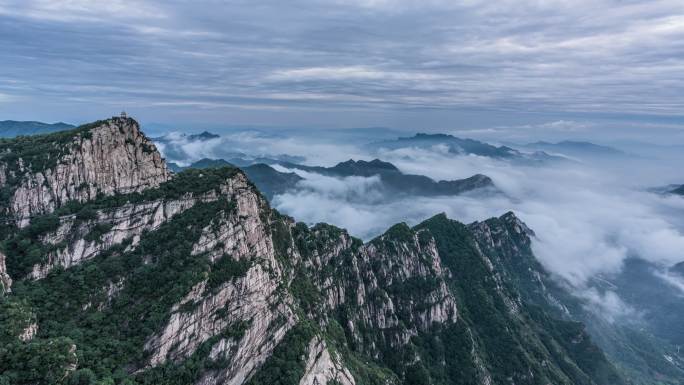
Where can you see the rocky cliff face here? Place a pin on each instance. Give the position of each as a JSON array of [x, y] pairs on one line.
[[324, 367], [194, 279], [251, 301], [76, 241], [393, 286], [5, 280], [106, 158]]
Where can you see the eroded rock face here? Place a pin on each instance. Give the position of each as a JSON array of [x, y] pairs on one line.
[[414, 259], [114, 157], [250, 299], [239, 235], [504, 243], [127, 222], [324, 367], [29, 332], [5, 280], [252, 302], [3, 175], [380, 280], [243, 234]]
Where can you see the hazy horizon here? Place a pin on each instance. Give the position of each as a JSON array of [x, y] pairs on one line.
[[524, 71]]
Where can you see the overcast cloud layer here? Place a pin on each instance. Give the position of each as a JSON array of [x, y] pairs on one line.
[[497, 68]]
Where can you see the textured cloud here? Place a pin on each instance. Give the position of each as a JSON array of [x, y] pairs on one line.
[[179, 148], [588, 218], [345, 63]]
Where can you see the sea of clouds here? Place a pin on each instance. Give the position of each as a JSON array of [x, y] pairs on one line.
[[588, 216]]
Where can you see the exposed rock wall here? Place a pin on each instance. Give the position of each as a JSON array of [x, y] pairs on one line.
[[5, 280], [403, 260], [127, 222], [114, 157], [378, 281], [243, 234], [29, 332], [252, 300], [324, 367], [3, 175]]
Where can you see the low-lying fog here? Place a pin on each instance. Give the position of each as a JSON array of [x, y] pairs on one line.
[[588, 215]]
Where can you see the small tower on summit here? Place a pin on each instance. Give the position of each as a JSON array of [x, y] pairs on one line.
[[123, 115]]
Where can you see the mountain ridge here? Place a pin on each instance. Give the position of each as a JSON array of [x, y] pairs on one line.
[[679, 190], [449, 144], [273, 182], [195, 279], [12, 128], [578, 148], [40, 173], [398, 182]]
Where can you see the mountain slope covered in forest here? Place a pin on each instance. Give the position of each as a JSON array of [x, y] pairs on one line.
[[134, 275]]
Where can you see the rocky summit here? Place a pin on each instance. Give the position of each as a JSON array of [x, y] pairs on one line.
[[41, 173], [115, 271]]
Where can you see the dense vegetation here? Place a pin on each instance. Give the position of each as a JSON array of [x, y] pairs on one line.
[[287, 363], [24, 247], [160, 271], [41, 152]]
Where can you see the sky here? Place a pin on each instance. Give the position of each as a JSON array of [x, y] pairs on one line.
[[508, 69]]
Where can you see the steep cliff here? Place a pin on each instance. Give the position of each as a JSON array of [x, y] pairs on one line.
[[194, 279], [642, 357], [107, 157], [5, 280]]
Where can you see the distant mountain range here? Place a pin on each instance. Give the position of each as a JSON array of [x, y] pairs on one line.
[[398, 182], [173, 147], [668, 189], [272, 182], [460, 146], [454, 144], [267, 179], [576, 149], [679, 190], [12, 128], [204, 135]]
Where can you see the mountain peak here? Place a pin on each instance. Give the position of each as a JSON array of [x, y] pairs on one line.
[[422, 135], [679, 190], [105, 157], [365, 168], [454, 145], [515, 223], [203, 136]]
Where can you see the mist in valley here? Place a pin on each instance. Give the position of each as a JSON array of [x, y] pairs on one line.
[[590, 213]]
